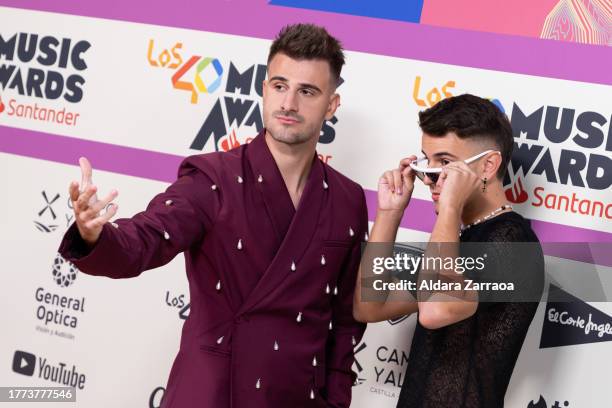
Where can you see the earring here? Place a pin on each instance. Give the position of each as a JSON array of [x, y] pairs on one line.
[[484, 184]]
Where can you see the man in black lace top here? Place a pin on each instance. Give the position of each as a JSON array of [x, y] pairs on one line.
[[466, 341]]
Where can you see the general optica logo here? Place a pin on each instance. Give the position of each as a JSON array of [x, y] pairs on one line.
[[64, 272]]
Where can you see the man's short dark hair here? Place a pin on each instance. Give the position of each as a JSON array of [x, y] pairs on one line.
[[469, 116], [309, 42]]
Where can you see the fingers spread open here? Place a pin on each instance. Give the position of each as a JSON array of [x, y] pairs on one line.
[[104, 218], [101, 204]]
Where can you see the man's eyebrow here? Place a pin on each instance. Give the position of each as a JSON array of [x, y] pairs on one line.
[[279, 78], [311, 86], [302, 85]]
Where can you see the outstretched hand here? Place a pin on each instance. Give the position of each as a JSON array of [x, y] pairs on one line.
[[87, 207]]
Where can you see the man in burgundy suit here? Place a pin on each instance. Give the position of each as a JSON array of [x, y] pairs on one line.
[[272, 240]]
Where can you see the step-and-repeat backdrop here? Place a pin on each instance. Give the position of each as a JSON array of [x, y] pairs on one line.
[[136, 96]]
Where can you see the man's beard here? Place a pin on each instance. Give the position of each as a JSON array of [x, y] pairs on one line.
[[287, 135]]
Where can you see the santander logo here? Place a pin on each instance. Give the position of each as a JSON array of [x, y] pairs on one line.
[[515, 193], [1, 105], [230, 141]]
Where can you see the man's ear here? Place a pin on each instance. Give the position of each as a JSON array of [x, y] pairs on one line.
[[491, 164], [264, 86], [334, 102]]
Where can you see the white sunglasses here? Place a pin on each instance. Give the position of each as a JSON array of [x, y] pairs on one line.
[[434, 172]]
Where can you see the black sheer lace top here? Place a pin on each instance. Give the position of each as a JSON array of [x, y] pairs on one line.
[[469, 364]]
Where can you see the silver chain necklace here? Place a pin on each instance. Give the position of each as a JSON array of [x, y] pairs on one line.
[[486, 217]]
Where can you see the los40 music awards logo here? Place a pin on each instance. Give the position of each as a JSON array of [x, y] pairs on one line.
[[180, 302], [236, 115], [567, 146], [46, 68]]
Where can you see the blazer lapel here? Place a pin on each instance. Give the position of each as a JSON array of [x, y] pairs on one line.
[[294, 228]]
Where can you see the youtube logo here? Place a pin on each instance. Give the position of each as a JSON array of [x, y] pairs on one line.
[[24, 363]]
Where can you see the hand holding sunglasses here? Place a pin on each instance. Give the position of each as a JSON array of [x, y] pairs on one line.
[[433, 173], [395, 187]]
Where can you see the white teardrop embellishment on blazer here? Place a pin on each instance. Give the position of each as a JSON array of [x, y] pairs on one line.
[[168, 202], [166, 235], [335, 290], [220, 340], [351, 232], [366, 236], [114, 224], [213, 187], [260, 178], [239, 246], [325, 186], [327, 289], [353, 340], [299, 317], [239, 179], [258, 383], [314, 361], [293, 268], [275, 346], [322, 259], [218, 287], [330, 325], [312, 396]]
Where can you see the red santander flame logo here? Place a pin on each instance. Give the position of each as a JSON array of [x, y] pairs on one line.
[[516, 193], [229, 142], [1, 105]]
